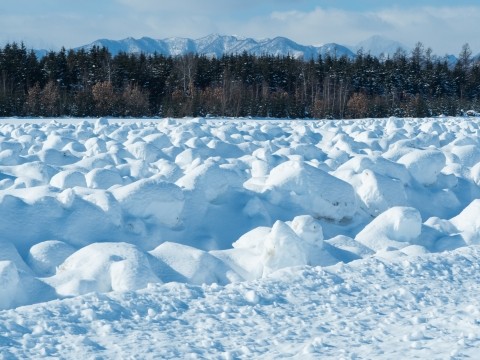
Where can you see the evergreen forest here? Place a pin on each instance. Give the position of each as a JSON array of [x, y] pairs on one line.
[[92, 83]]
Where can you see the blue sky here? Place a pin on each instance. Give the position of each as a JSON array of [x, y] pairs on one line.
[[443, 25]]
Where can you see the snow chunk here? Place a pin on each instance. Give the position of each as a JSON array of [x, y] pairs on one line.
[[152, 199], [55, 141], [32, 173], [95, 146], [346, 249], [294, 243], [8, 252], [145, 151], [57, 158], [194, 265], [284, 248], [8, 157], [377, 164], [68, 179], [101, 122], [44, 257], [379, 192], [159, 140], [468, 155], [9, 280], [253, 240], [211, 180], [247, 264], [468, 222], [396, 227], [424, 165], [103, 178], [308, 229], [103, 267], [317, 192]]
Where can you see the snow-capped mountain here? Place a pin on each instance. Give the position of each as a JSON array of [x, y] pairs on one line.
[[218, 45]]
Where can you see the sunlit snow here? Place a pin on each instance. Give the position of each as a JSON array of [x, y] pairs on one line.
[[239, 238]]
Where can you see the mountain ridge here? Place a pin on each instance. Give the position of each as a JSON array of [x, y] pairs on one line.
[[218, 45], [215, 45]]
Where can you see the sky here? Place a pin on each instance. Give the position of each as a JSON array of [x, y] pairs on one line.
[[443, 25]]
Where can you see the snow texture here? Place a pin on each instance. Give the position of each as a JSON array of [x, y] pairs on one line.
[[239, 238]]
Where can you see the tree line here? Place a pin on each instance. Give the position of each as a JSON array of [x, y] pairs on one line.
[[86, 83]]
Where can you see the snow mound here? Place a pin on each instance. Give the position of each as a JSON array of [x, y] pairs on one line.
[[68, 179], [103, 267], [152, 199], [313, 190], [468, 223], [296, 243], [253, 240], [264, 250], [145, 151], [424, 165], [282, 248], [211, 180], [8, 252], [103, 178], [395, 228], [30, 174], [45, 257], [468, 155], [308, 229], [379, 193], [9, 280], [194, 266]]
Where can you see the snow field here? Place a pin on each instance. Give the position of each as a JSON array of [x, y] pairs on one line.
[[288, 236], [101, 206], [421, 307]]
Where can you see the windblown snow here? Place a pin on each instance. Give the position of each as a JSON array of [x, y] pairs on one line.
[[238, 238]]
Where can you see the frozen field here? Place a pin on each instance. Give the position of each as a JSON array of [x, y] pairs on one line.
[[234, 238]]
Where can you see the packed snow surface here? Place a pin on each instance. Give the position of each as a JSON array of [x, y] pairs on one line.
[[238, 238]]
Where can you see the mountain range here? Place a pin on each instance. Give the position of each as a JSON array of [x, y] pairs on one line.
[[218, 45]]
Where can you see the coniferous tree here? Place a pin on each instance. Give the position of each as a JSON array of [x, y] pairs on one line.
[[94, 83]]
